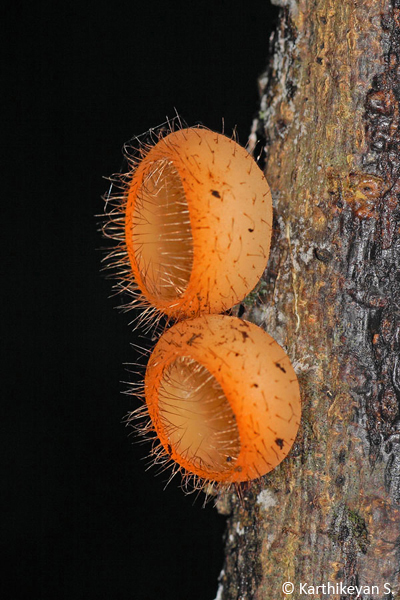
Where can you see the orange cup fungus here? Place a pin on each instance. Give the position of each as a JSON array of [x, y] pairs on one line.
[[223, 400], [198, 217]]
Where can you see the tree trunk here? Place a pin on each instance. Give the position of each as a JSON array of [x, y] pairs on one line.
[[329, 119]]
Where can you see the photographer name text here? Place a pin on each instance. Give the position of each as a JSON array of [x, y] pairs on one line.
[[336, 589]]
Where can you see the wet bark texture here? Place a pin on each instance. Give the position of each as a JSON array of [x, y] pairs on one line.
[[329, 119]]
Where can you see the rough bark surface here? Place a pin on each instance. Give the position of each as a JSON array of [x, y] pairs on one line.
[[329, 119]]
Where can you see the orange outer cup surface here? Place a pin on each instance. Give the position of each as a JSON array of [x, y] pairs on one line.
[[258, 381], [230, 208]]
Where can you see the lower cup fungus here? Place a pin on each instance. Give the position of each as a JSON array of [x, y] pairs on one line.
[[223, 401]]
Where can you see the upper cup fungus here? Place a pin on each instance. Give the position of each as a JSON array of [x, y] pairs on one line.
[[197, 214]]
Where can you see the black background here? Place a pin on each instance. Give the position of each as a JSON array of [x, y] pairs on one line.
[[83, 519]]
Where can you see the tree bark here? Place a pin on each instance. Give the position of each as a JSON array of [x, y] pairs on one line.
[[329, 121]]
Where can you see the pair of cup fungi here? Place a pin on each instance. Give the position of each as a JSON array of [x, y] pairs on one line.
[[222, 401]]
